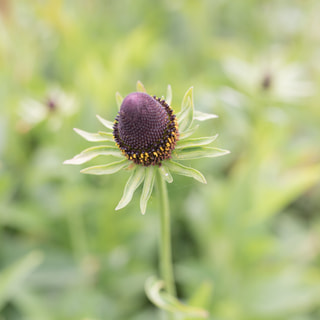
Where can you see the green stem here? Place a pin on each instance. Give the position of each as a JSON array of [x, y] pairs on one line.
[[166, 268]]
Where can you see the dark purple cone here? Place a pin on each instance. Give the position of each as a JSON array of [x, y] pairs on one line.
[[145, 129]]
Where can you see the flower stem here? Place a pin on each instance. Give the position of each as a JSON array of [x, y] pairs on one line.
[[166, 268]]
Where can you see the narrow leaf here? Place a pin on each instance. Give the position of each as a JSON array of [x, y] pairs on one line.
[[202, 116], [185, 171], [163, 300], [108, 124], [147, 188], [185, 116], [133, 183], [140, 87], [94, 137], [169, 95], [188, 133], [109, 168], [119, 99], [199, 152], [93, 152], [12, 278], [195, 142], [165, 173]]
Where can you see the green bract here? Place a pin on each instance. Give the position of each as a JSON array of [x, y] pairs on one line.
[[186, 149]]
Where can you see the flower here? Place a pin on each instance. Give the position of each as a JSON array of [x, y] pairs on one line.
[[148, 138]]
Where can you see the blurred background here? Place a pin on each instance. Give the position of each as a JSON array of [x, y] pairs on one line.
[[246, 245]]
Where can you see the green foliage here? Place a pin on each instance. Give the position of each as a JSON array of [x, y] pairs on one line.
[[246, 244]]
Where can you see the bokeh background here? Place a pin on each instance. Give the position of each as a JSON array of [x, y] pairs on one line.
[[246, 245]]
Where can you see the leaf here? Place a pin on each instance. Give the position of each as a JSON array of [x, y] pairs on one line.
[[165, 173], [188, 133], [109, 168], [195, 142], [140, 87], [169, 95], [147, 188], [108, 124], [201, 297], [185, 171], [185, 116], [199, 152], [202, 116], [93, 152], [133, 183], [119, 99], [13, 277], [94, 137], [156, 294]]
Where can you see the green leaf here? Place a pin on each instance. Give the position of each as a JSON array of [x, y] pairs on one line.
[[93, 152], [119, 99], [108, 124], [163, 300], [140, 87], [185, 116], [188, 133], [185, 171], [147, 188], [12, 278], [195, 142], [165, 173], [94, 137], [133, 183], [199, 152], [169, 95], [109, 168], [202, 116]]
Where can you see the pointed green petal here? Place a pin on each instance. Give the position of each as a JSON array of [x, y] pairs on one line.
[[133, 183], [147, 188], [109, 168], [185, 171], [94, 137], [195, 142], [140, 87], [165, 173], [108, 124], [169, 95], [188, 133], [93, 152], [199, 152], [163, 300], [202, 116], [119, 99], [185, 116]]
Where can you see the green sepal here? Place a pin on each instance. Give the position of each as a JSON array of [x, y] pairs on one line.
[[108, 124], [119, 99], [109, 168], [169, 95], [132, 184], [195, 142], [165, 173], [185, 134], [163, 300], [93, 152], [202, 116], [185, 171], [185, 116], [147, 188], [140, 87], [94, 137], [199, 152]]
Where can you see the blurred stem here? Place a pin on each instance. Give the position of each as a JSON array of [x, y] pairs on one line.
[[166, 268]]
